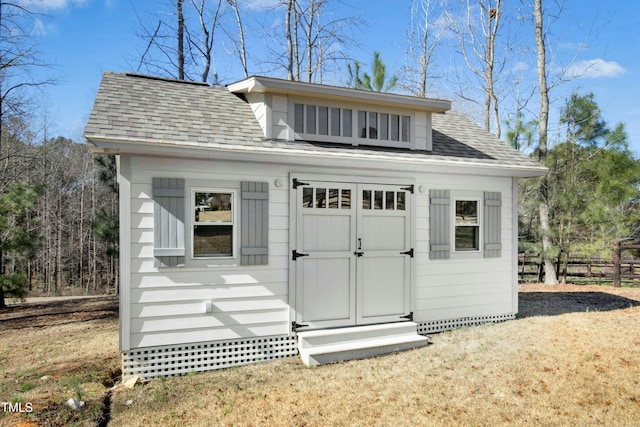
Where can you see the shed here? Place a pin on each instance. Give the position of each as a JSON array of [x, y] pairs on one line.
[[271, 218]]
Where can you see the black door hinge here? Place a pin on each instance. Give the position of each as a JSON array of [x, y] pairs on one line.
[[295, 326], [295, 255], [409, 252], [409, 188], [358, 254], [297, 183], [408, 317]]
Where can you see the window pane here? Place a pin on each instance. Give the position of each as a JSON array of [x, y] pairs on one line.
[[335, 122], [307, 197], [467, 238], [345, 201], [310, 125], [383, 129], [401, 200], [366, 199], [333, 198], [321, 197], [378, 200], [212, 240], [466, 212], [323, 120], [406, 128], [213, 207], [362, 124], [389, 200], [346, 123], [373, 125], [395, 127], [298, 119]]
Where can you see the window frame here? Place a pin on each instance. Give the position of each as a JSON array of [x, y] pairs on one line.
[[355, 139], [191, 223], [479, 223]]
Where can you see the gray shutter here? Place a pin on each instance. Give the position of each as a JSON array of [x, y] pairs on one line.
[[439, 224], [254, 223], [168, 222], [492, 224]]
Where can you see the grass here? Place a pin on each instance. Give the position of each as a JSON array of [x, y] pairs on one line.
[[574, 368]]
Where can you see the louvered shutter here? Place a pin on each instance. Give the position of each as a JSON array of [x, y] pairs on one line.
[[439, 224], [492, 224], [168, 222], [254, 223]]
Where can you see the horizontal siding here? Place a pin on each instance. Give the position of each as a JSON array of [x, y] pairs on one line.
[[168, 305], [464, 286]]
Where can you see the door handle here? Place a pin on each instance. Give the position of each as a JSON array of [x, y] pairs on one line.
[[359, 243]]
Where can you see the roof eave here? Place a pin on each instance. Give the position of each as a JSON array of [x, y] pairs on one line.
[[105, 145], [258, 84]]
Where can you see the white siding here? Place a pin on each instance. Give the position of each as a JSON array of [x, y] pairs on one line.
[[465, 285], [279, 117], [167, 305]]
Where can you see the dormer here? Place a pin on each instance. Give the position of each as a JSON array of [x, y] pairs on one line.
[[290, 111]]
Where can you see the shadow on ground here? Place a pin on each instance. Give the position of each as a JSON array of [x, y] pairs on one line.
[[555, 303]]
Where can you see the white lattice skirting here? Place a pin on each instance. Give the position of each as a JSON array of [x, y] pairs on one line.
[[446, 325], [182, 359]]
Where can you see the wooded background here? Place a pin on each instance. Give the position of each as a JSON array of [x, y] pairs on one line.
[[58, 202]]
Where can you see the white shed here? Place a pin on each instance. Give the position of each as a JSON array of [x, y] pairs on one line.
[[271, 218]]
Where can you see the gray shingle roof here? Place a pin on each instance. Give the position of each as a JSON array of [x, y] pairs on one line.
[[141, 109]]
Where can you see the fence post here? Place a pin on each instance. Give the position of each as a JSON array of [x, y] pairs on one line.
[[616, 264]]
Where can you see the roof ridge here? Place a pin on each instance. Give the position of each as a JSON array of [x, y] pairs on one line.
[[166, 79]]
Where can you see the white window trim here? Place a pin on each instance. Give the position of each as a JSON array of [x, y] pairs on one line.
[[470, 253], [354, 140], [194, 261]]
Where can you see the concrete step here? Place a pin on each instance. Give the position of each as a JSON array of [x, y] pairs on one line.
[[333, 345]]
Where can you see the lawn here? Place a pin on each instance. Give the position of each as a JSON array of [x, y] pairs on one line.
[[571, 358]]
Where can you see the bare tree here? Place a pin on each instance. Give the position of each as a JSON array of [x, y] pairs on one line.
[[423, 38], [239, 42], [545, 228], [479, 47]]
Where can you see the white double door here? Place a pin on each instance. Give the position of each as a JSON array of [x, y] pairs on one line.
[[353, 254]]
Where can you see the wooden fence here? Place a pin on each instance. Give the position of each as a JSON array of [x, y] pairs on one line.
[[622, 265]]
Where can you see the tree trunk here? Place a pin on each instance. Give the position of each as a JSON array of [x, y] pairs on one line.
[[180, 42], [289, 41], [550, 277]]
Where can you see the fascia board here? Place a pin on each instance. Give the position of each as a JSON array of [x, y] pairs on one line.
[[270, 85], [275, 155]]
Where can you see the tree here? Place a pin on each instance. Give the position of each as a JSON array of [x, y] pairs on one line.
[[423, 38], [550, 277], [18, 237], [480, 51], [377, 81]]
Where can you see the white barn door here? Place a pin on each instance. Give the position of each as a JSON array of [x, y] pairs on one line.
[[384, 265], [352, 254]]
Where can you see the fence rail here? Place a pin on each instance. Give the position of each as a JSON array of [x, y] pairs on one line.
[[622, 265]]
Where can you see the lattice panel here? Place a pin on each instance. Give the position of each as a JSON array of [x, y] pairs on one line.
[[446, 325], [182, 359]]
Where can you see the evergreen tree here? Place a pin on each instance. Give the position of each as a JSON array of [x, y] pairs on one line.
[[377, 81]]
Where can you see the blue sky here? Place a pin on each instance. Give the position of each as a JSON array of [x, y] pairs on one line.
[[84, 38]]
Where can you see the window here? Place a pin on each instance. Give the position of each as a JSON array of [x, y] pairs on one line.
[[467, 225], [331, 123], [213, 224]]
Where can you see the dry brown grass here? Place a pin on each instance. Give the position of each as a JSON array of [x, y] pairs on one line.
[[75, 342], [580, 366]]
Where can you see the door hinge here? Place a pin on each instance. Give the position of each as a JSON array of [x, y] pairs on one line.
[[295, 326], [297, 183], [409, 252], [408, 317], [295, 255], [409, 188], [358, 254]]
